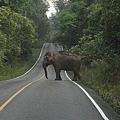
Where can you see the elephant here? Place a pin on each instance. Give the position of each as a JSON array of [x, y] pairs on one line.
[[62, 60]]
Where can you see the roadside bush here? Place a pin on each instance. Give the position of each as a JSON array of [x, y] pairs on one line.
[[104, 77], [18, 33], [2, 48]]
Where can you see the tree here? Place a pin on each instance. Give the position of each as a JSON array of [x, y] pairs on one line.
[[2, 3], [72, 22], [110, 19], [60, 5], [17, 33], [35, 10], [13, 4]]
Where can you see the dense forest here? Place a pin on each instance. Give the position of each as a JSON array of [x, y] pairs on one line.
[[91, 28], [23, 24], [85, 27]]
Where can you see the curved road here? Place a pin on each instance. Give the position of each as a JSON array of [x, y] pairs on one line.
[[33, 97]]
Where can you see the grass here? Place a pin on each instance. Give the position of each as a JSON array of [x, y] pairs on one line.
[[9, 71], [109, 91]]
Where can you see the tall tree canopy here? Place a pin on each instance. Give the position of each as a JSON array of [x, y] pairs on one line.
[[93, 19], [22, 22], [17, 35], [35, 10]]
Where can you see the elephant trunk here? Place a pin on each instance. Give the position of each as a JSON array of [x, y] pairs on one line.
[[45, 66]]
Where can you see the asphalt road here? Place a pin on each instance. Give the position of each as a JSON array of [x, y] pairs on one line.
[[33, 97]]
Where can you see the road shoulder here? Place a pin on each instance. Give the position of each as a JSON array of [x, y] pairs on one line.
[[107, 109]]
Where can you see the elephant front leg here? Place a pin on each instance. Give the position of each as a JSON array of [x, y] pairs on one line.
[[58, 77]]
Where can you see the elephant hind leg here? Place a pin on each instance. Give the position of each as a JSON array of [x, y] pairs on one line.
[[79, 77], [76, 75]]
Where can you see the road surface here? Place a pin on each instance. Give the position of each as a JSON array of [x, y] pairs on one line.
[[33, 97]]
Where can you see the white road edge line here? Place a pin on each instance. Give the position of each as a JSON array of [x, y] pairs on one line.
[[30, 68], [91, 99]]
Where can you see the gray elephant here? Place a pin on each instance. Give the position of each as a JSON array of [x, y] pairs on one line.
[[62, 60]]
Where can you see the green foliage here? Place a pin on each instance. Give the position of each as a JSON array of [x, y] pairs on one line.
[[2, 48], [110, 20], [94, 17], [9, 71], [32, 9], [91, 43], [60, 5], [14, 4], [35, 10], [72, 22], [104, 77], [68, 21], [17, 35]]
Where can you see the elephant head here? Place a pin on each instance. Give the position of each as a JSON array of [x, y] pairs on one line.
[[48, 60]]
